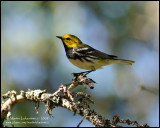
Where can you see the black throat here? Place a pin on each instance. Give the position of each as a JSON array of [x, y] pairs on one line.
[[69, 51]]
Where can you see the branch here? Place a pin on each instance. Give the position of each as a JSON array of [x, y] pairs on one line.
[[63, 97], [116, 120], [154, 91]]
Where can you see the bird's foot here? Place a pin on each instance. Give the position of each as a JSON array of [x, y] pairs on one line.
[[82, 73]]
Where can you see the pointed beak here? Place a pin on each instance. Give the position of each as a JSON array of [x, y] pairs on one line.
[[60, 37]]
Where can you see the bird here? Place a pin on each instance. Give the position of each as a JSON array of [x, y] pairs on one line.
[[87, 57]]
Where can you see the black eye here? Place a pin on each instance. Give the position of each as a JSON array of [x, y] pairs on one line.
[[67, 38]]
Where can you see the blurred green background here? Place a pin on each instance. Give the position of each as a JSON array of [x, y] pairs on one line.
[[32, 57]]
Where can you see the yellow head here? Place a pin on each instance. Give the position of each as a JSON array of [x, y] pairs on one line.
[[70, 40]]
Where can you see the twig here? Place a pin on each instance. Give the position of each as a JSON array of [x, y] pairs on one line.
[[154, 91], [81, 80], [80, 122], [116, 120]]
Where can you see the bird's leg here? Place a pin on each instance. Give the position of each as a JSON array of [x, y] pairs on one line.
[[85, 73]]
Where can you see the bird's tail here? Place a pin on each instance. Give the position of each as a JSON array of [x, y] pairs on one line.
[[120, 61]]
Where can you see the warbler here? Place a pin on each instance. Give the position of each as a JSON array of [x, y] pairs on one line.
[[86, 57]]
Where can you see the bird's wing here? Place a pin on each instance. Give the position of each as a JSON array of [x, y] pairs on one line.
[[89, 51], [104, 55]]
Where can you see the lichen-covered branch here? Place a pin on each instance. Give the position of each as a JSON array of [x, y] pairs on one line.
[[63, 97], [116, 120]]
